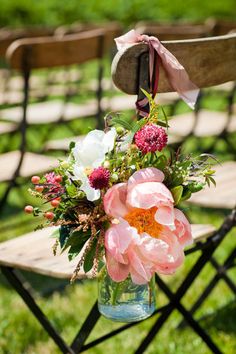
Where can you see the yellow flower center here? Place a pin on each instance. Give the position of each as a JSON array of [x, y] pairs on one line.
[[143, 220], [88, 170]]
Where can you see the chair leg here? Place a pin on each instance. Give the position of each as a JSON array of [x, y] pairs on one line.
[[221, 274], [15, 282], [188, 317], [86, 329]]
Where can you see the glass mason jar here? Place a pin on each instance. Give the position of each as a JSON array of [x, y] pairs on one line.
[[125, 301]]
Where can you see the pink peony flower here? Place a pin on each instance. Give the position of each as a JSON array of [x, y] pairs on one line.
[[149, 234], [150, 138]]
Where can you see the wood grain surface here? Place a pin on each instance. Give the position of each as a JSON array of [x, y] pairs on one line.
[[209, 61], [47, 52]]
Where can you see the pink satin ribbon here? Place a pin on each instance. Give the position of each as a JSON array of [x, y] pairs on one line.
[[175, 72]]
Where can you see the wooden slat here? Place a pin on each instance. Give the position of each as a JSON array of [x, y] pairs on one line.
[[32, 164], [33, 252], [7, 36], [224, 194], [50, 112], [204, 66], [174, 31], [7, 127], [62, 144], [202, 232], [47, 52], [111, 30], [209, 123]]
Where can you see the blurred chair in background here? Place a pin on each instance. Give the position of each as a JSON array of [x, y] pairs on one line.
[[27, 55]]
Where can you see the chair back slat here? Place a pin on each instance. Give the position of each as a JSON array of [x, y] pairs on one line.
[[174, 32], [47, 52], [111, 30], [8, 36], [208, 61]]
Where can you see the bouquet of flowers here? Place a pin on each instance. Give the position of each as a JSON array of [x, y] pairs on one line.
[[116, 198]]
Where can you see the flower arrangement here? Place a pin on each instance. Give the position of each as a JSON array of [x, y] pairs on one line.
[[116, 197]]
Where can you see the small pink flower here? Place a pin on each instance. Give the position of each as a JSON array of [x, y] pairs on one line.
[[99, 178], [150, 138], [54, 187], [51, 178], [151, 233]]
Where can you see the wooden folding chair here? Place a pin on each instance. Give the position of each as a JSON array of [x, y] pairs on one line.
[[15, 256], [26, 55], [206, 68], [7, 37]]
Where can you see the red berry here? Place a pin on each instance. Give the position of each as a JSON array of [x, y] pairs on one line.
[[49, 215], [55, 203], [58, 179], [29, 209], [35, 179], [39, 188]]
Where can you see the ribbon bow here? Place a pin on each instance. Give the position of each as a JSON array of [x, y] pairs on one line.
[[176, 74]]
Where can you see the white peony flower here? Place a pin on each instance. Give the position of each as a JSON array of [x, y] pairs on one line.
[[90, 154]]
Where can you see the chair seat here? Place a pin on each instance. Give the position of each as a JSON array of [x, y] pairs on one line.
[[224, 194], [32, 164], [209, 123], [7, 127], [62, 144], [50, 112], [33, 252]]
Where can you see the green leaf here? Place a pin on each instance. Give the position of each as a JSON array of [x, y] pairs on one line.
[[77, 239], [89, 257], [138, 125], [148, 95], [71, 190], [177, 193], [161, 162], [212, 180], [129, 138], [72, 253], [72, 145], [186, 195], [165, 117], [162, 124], [209, 172], [123, 123], [64, 233], [195, 187]]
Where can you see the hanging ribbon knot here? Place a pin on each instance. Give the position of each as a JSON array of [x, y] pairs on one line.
[[175, 72]]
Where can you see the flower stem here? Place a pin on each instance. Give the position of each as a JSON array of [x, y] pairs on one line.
[[115, 293]]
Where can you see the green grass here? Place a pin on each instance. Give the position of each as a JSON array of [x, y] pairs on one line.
[[55, 13]]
